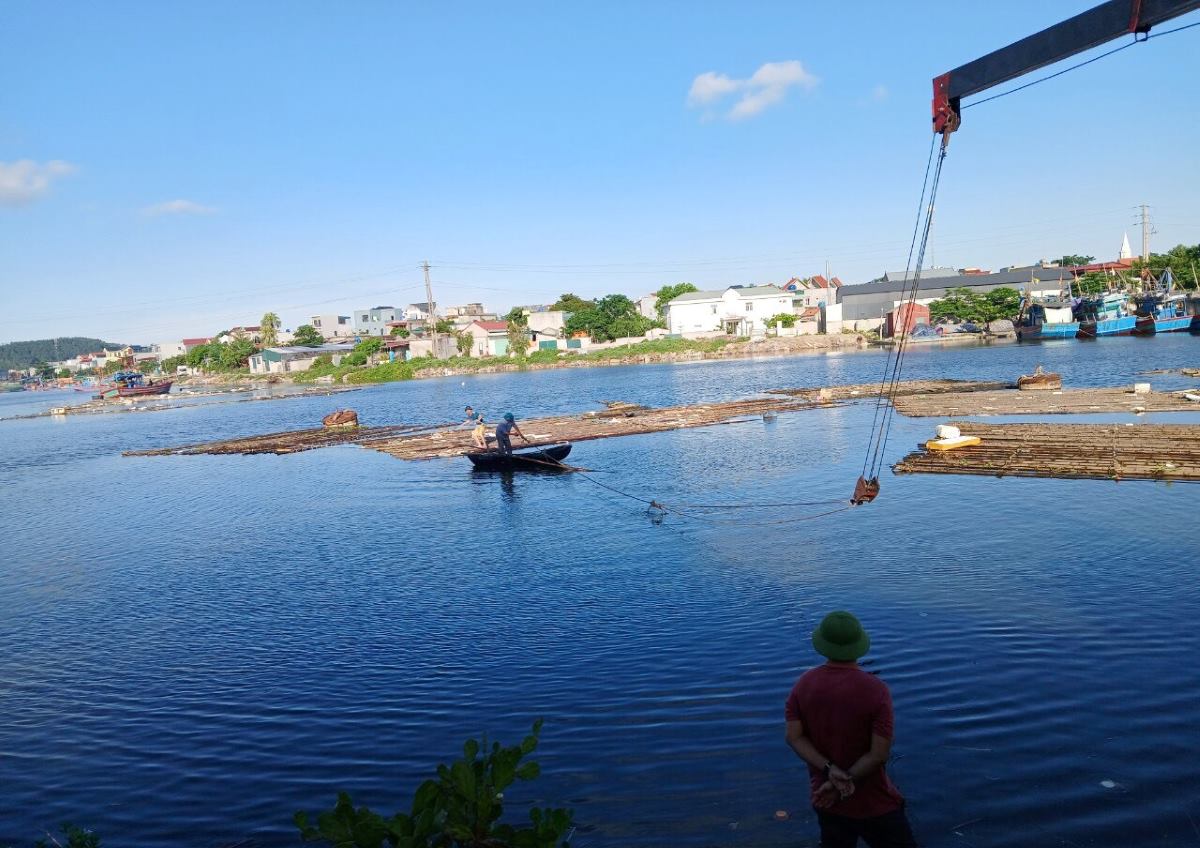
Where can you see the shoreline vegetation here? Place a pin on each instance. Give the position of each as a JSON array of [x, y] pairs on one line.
[[642, 353]]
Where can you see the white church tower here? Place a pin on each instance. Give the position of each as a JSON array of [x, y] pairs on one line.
[[1126, 253]]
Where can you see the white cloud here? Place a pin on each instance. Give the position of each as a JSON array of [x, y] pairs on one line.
[[24, 181], [178, 207], [711, 86], [765, 87], [879, 93]]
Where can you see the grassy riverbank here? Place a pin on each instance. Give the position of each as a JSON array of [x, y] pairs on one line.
[[647, 352]]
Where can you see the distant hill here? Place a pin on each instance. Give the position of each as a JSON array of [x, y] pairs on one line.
[[24, 354]]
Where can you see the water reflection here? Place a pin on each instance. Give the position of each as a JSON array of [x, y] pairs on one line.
[[224, 640]]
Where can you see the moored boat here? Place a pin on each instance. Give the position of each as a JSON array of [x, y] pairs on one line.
[[538, 459], [1160, 310], [133, 384], [1047, 318], [1105, 315]]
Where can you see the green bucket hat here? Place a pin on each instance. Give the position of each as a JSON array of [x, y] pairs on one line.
[[840, 637]]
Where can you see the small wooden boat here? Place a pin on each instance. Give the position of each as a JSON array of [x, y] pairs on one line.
[[536, 459], [341, 418], [1039, 380]]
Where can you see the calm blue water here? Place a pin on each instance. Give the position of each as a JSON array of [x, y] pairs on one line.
[[195, 647]]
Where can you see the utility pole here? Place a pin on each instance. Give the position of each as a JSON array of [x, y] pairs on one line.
[[1145, 235], [432, 311]]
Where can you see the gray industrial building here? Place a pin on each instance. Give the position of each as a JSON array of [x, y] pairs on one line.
[[871, 301]]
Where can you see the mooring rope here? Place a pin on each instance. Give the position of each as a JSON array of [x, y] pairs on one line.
[[876, 452], [674, 509]]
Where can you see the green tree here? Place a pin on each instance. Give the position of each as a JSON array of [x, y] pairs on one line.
[[1092, 282], [518, 338], [1184, 261], [571, 303], [668, 293], [444, 326], [461, 808], [964, 304], [364, 350], [783, 319], [270, 329], [463, 340], [401, 332], [236, 354], [1077, 259], [307, 336], [63, 372], [517, 315], [1001, 303], [612, 316], [169, 366], [197, 356]]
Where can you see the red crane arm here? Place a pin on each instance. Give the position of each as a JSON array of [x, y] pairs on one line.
[[1084, 31]]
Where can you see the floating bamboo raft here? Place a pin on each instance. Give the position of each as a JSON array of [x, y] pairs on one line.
[[415, 442], [903, 389], [601, 425], [1013, 402], [1079, 451], [291, 441]]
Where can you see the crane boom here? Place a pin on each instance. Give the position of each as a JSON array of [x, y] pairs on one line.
[[1084, 31]]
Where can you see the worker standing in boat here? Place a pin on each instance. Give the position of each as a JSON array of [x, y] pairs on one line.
[[508, 425], [839, 721]]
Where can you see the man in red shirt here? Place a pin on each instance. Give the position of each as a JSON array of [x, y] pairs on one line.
[[839, 721]]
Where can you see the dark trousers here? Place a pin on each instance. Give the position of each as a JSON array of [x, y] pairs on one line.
[[891, 830], [503, 444]]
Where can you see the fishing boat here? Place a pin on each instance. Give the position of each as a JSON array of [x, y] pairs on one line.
[[537, 459], [1160, 310], [133, 384], [1047, 318], [1105, 315], [1156, 314]]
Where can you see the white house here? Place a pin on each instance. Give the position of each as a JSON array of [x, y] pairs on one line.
[[551, 323], [333, 326], [736, 311], [647, 306], [419, 311]]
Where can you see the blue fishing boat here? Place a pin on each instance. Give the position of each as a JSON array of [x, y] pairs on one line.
[[1047, 318], [1161, 315], [1105, 315], [1161, 311]]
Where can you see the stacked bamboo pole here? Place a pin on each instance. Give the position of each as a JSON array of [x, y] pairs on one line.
[[290, 441], [582, 428], [1068, 401], [1092, 451], [903, 389]]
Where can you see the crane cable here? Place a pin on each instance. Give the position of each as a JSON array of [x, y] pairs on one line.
[[866, 489]]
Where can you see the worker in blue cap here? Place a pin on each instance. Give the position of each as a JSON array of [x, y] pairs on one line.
[[508, 425]]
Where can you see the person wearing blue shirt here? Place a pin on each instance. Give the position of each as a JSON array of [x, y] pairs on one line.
[[508, 425]]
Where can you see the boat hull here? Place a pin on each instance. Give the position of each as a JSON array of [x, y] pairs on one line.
[[1048, 331], [1147, 326], [1122, 326], [140, 391], [540, 459]]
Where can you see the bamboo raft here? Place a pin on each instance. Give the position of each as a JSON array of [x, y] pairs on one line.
[[1065, 402], [906, 388], [407, 441], [1071, 451], [290, 441]]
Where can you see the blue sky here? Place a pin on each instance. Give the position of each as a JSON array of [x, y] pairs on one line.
[[172, 169]]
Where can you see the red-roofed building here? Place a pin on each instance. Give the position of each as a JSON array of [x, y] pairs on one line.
[[488, 338], [188, 344]]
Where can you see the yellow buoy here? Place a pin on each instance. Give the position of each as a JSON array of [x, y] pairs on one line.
[[951, 444]]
